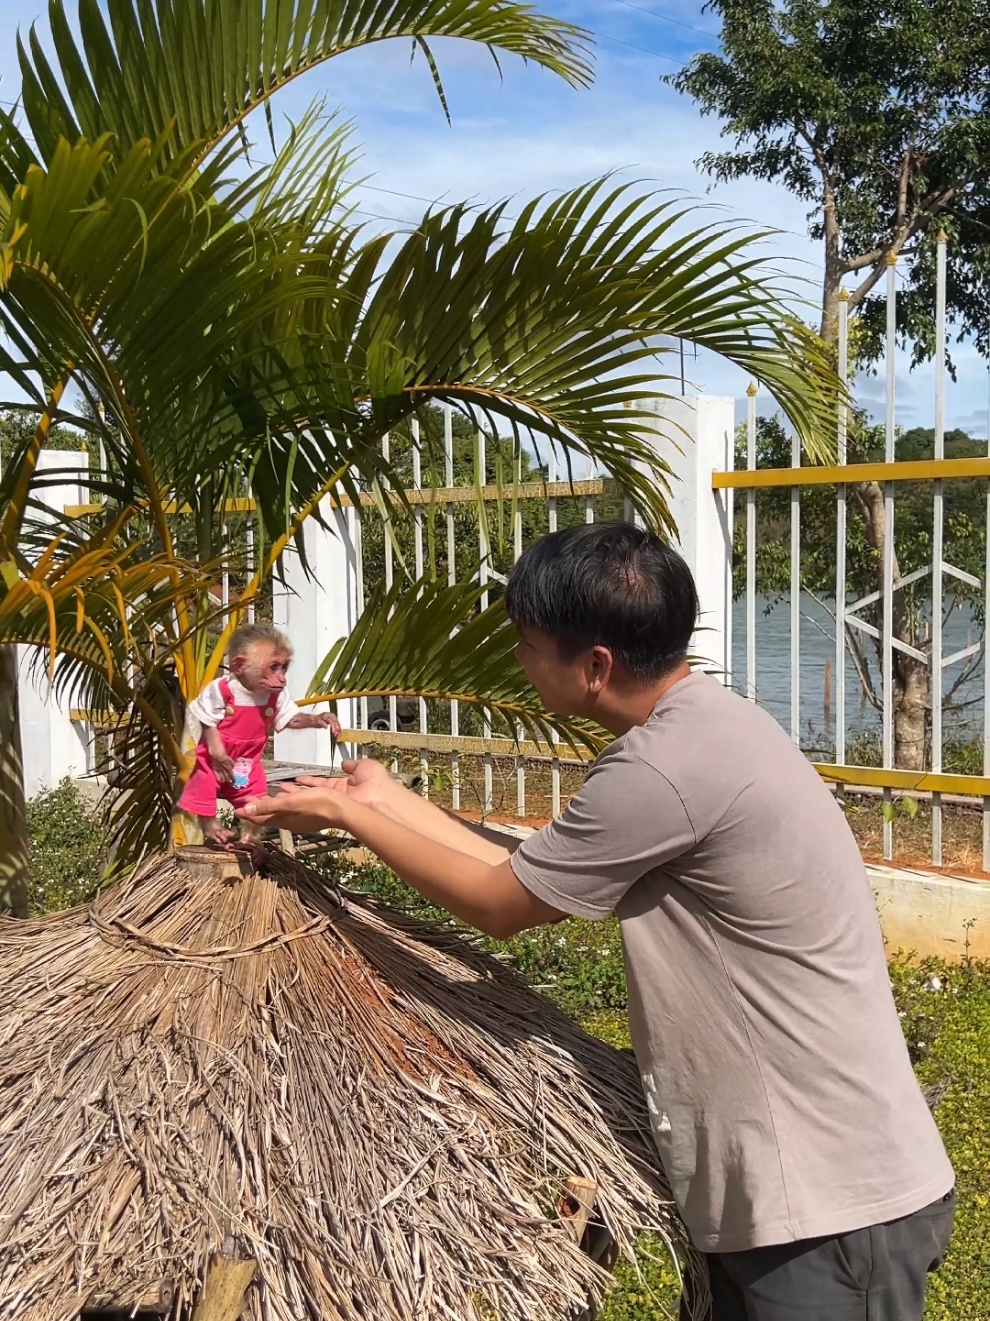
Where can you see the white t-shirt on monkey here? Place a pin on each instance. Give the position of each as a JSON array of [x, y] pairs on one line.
[[207, 710]]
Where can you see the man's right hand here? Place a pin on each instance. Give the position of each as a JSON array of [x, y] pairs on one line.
[[365, 781]]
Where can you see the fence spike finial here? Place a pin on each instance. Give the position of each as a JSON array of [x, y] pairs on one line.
[[843, 295], [942, 237], [751, 389], [891, 258]]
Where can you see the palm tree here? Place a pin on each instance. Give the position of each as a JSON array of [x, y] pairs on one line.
[[228, 331]]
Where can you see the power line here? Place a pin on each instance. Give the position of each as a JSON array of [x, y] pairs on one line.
[[395, 193], [658, 54], [374, 215], [667, 19]]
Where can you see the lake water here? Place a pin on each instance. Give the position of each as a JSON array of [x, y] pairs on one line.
[[773, 673]]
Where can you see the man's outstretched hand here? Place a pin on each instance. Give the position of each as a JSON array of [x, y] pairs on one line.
[[428, 850], [364, 781], [312, 803], [301, 810]]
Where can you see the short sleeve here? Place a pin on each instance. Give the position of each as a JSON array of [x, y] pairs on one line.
[[285, 710], [627, 819], [207, 708]]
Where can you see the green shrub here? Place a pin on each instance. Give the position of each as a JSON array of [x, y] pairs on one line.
[[946, 1012], [68, 841], [647, 1290]]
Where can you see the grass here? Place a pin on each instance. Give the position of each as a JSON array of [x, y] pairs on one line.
[[945, 1013]]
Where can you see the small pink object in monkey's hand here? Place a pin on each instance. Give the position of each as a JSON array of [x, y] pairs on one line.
[[241, 772]]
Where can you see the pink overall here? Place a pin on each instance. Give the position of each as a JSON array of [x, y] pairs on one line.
[[244, 731]]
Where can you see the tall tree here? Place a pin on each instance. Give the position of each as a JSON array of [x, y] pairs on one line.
[[877, 114]]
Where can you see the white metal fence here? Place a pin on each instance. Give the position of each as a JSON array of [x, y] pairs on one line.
[[849, 615]]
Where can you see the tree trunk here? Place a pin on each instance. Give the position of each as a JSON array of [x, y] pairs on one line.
[[832, 282], [911, 702], [13, 820], [831, 286], [911, 678]]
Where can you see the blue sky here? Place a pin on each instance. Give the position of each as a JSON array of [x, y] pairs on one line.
[[531, 133]]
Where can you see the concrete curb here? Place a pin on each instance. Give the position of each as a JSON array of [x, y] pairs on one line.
[[927, 913]]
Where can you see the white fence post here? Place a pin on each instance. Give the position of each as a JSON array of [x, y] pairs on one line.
[[694, 435], [315, 611], [53, 746]]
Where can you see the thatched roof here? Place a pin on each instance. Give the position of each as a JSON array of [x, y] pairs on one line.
[[379, 1115]]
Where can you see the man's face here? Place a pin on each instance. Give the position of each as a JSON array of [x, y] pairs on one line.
[[565, 687], [263, 669]]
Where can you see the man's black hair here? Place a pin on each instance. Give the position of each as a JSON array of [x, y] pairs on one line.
[[612, 585]]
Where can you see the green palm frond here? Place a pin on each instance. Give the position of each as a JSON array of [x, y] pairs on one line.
[[427, 639], [99, 606], [100, 618], [306, 185], [552, 322], [547, 326], [187, 72], [146, 294]]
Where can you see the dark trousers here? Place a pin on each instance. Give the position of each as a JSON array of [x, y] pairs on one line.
[[874, 1274]]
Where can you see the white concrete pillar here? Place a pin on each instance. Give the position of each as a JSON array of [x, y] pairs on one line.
[[53, 746], [694, 435], [316, 611]]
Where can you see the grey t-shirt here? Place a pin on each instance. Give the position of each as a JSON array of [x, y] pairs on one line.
[[782, 1098]]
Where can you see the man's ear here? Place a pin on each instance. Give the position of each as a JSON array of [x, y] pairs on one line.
[[600, 666]]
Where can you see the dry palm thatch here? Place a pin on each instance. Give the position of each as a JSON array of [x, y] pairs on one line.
[[377, 1114]]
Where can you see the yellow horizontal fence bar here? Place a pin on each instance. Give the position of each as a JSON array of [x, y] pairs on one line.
[[407, 742], [970, 786], [444, 495], [920, 470], [868, 777], [479, 747]]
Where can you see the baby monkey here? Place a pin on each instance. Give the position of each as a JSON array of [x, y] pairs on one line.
[[237, 715]]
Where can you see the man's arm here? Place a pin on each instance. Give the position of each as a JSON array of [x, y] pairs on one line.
[[484, 894], [368, 782]]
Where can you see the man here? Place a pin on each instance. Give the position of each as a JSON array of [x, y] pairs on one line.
[[799, 1148]]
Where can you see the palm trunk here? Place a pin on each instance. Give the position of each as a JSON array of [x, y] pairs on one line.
[[13, 819]]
